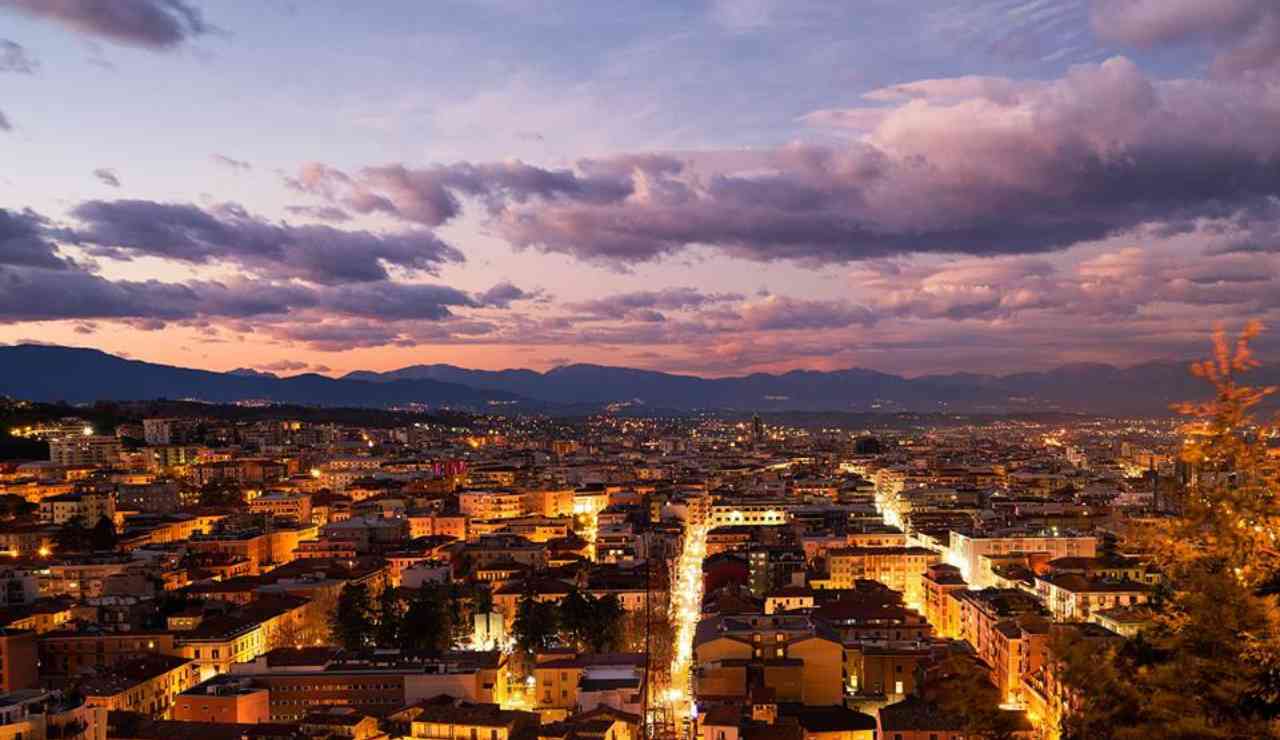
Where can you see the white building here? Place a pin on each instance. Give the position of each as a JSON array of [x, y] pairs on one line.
[[965, 552], [87, 507], [85, 449]]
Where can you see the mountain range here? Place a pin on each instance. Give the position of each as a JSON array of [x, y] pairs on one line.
[[51, 373]]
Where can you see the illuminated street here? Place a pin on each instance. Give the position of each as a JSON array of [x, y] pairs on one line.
[[686, 605]]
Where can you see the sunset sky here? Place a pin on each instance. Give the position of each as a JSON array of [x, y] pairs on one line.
[[708, 187]]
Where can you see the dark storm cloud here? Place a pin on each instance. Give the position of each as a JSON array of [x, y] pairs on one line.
[[154, 24], [227, 233], [5, 125]]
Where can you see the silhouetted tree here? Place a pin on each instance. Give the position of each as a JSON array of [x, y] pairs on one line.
[[535, 626], [390, 619], [103, 535], [427, 625], [352, 622], [608, 615], [72, 536]]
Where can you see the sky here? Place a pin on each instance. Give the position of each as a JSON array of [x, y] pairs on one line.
[[713, 187]]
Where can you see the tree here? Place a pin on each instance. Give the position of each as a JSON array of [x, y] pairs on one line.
[[316, 626], [577, 613], [289, 633], [390, 619], [15, 506], [535, 626], [352, 621], [464, 603], [427, 626], [962, 690], [607, 613], [591, 623], [71, 537], [1210, 666], [103, 535]]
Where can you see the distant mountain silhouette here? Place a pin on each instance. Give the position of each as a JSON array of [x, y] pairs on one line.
[[1084, 388], [46, 373]]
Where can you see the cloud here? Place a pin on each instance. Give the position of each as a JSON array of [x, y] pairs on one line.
[[669, 299], [323, 213], [23, 242], [335, 336], [742, 16], [38, 294], [973, 167], [285, 366], [38, 284], [44, 294], [227, 233], [153, 24], [14, 58], [503, 294], [779, 313], [107, 177], [1247, 32], [5, 125], [432, 196], [238, 165], [396, 301]]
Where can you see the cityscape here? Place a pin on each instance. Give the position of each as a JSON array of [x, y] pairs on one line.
[[609, 576], [663, 370]]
